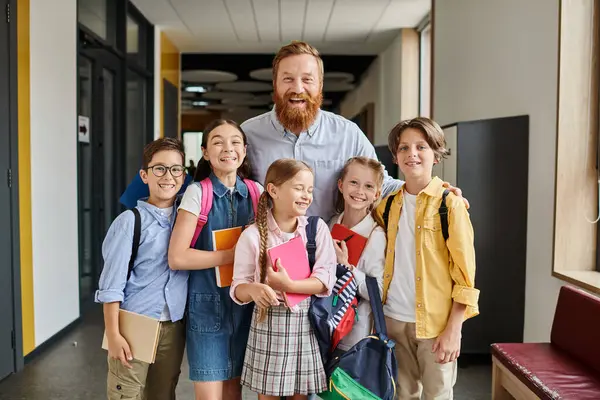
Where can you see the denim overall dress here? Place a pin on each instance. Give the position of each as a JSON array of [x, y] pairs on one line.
[[217, 328]]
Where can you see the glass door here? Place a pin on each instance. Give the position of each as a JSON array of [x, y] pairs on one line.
[[100, 116]]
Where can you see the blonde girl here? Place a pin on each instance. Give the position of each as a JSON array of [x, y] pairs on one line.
[[359, 187]]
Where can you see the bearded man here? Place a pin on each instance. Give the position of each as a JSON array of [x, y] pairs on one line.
[[297, 128]]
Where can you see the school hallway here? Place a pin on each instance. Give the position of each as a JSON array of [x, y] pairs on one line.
[[86, 84], [74, 367]]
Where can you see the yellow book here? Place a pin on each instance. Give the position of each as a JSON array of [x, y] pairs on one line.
[[225, 239], [141, 333]]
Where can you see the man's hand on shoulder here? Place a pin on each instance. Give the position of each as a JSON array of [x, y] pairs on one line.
[[457, 192]]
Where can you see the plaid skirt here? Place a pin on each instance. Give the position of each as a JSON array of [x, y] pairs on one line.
[[282, 356]]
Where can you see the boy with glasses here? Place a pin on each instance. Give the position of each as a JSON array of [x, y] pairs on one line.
[[144, 284]]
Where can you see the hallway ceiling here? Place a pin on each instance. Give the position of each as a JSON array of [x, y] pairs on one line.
[[245, 80], [228, 45], [262, 26]]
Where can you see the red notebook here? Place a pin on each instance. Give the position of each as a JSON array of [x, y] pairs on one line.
[[294, 259], [356, 243]]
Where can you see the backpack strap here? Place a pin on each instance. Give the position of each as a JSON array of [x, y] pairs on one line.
[[207, 200], [254, 194], [376, 307], [444, 214], [311, 240], [137, 232], [386, 212]]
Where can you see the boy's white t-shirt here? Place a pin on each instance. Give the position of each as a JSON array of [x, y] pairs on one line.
[[192, 198], [401, 297]]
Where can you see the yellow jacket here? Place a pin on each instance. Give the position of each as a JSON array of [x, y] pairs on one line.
[[445, 272]]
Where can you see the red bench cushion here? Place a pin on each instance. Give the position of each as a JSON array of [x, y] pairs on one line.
[[576, 326], [548, 371]]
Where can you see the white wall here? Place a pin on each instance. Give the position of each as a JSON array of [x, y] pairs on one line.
[[489, 61], [53, 49], [366, 92], [381, 85], [390, 90]]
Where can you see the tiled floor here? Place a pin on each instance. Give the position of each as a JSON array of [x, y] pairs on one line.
[[74, 368]]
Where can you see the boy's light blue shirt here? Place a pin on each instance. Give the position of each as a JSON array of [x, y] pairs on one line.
[[152, 283], [325, 147]]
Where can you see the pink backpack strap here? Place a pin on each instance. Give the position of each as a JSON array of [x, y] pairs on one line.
[[254, 194], [207, 200]]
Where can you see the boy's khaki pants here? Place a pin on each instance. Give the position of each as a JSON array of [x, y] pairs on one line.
[[150, 381], [418, 373]]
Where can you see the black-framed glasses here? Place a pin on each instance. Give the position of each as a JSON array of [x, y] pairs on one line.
[[160, 170]]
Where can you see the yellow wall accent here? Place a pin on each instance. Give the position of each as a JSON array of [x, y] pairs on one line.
[[24, 175], [170, 67]]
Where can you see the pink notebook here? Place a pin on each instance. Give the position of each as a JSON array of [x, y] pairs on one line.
[[294, 259]]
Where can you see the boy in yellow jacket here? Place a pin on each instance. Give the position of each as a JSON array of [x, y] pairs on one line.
[[429, 282]]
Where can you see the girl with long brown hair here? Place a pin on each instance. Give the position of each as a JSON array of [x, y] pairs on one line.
[[217, 328]]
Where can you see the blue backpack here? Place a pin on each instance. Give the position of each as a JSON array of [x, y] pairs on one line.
[[368, 370], [331, 317]]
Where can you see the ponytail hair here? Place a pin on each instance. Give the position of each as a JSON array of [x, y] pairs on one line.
[[278, 173], [204, 168]]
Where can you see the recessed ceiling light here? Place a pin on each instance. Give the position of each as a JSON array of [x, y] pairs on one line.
[[196, 89]]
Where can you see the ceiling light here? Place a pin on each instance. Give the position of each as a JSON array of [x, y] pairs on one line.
[[200, 103], [196, 89]]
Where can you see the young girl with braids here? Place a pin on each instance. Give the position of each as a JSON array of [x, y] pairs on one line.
[[282, 355]]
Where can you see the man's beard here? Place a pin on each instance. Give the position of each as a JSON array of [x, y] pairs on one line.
[[296, 119]]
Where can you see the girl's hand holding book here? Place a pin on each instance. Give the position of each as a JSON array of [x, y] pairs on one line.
[[263, 295], [341, 251], [279, 280], [228, 255]]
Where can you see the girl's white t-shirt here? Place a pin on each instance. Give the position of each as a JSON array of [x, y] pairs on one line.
[[192, 198], [287, 236]]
